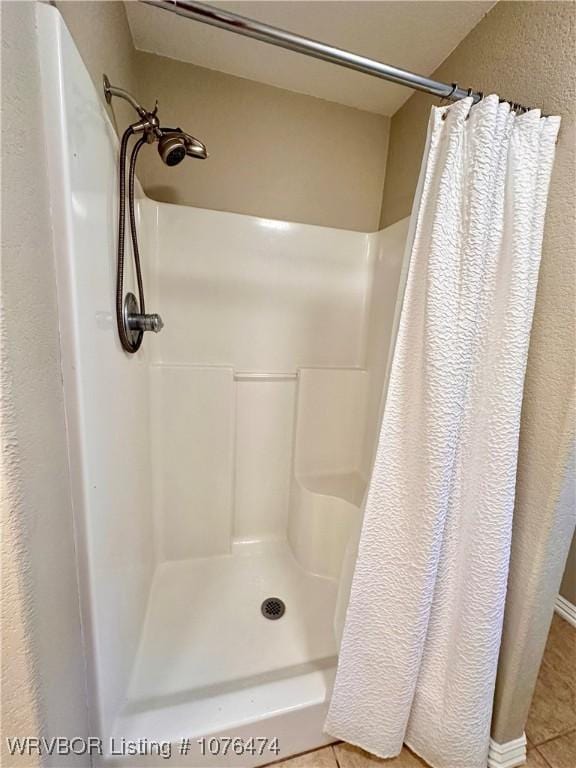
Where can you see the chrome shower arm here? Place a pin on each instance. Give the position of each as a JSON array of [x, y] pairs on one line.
[[112, 90], [149, 124]]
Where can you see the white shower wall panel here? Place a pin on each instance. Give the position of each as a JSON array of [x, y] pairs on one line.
[[331, 421], [257, 294], [106, 391], [387, 250], [264, 429], [193, 426], [261, 300]]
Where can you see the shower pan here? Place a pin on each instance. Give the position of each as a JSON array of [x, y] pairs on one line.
[[218, 471]]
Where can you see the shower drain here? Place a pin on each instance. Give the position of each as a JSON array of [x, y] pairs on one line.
[[273, 608]]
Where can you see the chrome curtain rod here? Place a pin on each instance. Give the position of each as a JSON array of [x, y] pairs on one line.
[[241, 25]]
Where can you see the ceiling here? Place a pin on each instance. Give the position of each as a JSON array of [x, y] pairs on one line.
[[413, 35]]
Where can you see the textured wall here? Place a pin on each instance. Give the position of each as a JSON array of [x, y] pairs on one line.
[[523, 51], [43, 686]]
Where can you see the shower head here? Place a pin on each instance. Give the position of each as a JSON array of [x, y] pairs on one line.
[[174, 145]]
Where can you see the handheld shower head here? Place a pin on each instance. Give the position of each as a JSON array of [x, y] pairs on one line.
[[174, 145]]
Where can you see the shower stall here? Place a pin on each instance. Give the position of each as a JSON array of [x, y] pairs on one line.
[[224, 463]]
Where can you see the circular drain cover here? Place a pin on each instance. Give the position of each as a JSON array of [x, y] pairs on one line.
[[273, 608]]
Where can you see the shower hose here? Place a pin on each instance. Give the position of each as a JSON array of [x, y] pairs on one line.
[[127, 343]]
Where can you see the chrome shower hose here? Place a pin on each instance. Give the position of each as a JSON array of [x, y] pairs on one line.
[[127, 344]]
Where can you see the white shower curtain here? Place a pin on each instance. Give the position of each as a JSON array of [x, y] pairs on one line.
[[420, 644]]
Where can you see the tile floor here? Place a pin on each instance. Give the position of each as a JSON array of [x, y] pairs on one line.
[[551, 727], [346, 756]]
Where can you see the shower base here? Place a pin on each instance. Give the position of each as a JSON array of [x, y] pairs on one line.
[[211, 665]]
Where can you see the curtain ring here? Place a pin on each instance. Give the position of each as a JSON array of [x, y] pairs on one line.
[[449, 95], [447, 98]]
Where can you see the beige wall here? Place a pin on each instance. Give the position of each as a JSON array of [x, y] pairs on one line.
[[43, 681], [273, 153], [523, 51]]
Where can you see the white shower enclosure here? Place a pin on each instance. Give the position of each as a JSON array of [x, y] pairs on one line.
[[224, 463]]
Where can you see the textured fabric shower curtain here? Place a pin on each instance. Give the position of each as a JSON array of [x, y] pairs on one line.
[[420, 644]]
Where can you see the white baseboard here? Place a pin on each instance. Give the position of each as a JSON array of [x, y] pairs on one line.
[[507, 755], [566, 609]]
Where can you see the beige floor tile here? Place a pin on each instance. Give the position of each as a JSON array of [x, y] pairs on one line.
[[560, 752], [352, 757], [319, 758], [560, 650], [535, 760], [553, 710]]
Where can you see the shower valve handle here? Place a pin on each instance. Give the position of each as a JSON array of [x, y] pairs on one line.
[[137, 322]]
